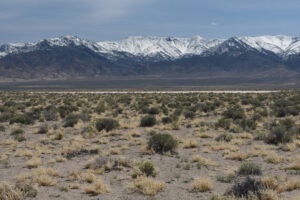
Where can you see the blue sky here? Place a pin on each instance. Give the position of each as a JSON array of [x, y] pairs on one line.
[[100, 20]]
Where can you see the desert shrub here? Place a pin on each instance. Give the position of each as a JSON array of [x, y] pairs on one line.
[[282, 133], [51, 113], [3, 108], [227, 137], [2, 128], [107, 124], [5, 116], [161, 143], [153, 111], [66, 110], [43, 129], [100, 108], [189, 114], [71, 120], [234, 113], [166, 120], [148, 121], [249, 169], [35, 115], [27, 190], [85, 117], [165, 110], [177, 112], [283, 107], [245, 188], [225, 179], [223, 123], [148, 168], [18, 134], [247, 124], [262, 135], [207, 107], [22, 119]]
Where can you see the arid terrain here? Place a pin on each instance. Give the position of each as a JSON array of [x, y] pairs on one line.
[[110, 146]]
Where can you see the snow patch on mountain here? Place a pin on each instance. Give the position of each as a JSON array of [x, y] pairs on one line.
[[171, 47]]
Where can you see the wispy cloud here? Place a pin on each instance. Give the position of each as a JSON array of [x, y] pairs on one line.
[[213, 23]]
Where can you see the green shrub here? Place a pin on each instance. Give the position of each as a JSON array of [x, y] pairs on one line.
[[225, 179], [153, 111], [234, 113], [148, 168], [100, 108], [161, 143], [249, 169], [148, 121], [22, 119], [189, 114], [282, 133], [51, 113], [223, 123], [18, 134], [43, 129], [5, 116], [2, 128], [107, 124], [71, 120], [166, 120], [247, 124], [66, 110], [246, 188]]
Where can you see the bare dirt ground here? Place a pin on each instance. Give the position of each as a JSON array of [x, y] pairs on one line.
[[60, 161]]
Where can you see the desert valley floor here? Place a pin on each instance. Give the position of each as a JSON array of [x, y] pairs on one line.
[[138, 146]]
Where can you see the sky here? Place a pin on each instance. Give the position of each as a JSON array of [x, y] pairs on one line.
[[102, 20]]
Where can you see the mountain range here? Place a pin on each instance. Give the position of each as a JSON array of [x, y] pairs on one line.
[[70, 57]]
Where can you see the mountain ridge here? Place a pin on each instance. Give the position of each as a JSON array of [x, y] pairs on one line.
[[68, 57], [167, 47]]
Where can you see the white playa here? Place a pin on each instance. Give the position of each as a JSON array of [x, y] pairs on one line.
[[166, 92]]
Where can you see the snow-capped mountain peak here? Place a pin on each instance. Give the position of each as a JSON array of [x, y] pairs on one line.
[[166, 47]]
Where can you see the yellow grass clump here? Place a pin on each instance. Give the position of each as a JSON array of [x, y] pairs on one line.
[[294, 166], [273, 157], [205, 135], [26, 153], [240, 156], [269, 195], [202, 185], [60, 159], [205, 161], [147, 186], [8, 142], [219, 146], [34, 163], [189, 144], [245, 136], [74, 186], [45, 180], [97, 188], [7, 192], [88, 177]]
